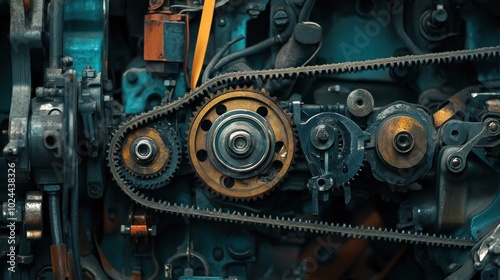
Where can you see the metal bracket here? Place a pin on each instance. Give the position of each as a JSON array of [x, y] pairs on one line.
[[25, 34], [488, 250]]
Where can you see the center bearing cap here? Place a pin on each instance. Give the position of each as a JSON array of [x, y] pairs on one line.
[[402, 142], [241, 143]]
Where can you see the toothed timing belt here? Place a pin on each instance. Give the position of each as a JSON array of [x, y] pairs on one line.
[[225, 80]]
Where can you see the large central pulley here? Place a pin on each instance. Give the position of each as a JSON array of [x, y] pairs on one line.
[[241, 143]]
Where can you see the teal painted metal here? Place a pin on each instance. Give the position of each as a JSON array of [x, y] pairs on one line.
[[84, 34], [141, 90]]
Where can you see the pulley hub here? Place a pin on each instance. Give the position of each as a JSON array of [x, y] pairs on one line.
[[239, 143]]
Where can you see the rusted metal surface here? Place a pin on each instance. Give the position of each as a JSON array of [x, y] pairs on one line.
[[256, 186], [453, 106], [58, 257], [150, 168], [154, 35], [387, 136]]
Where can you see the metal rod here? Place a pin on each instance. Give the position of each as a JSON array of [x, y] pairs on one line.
[[56, 10]]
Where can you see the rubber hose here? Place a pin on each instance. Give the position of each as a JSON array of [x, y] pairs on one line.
[[266, 44]]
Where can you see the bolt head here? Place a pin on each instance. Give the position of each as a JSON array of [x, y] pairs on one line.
[[144, 149], [322, 135], [280, 18], [493, 127], [455, 162]]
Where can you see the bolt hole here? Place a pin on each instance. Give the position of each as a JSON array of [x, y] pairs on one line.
[[454, 133], [364, 7], [201, 155], [221, 109], [278, 146], [50, 141], [345, 169], [143, 149], [360, 102], [262, 111], [321, 182], [277, 165], [205, 125], [228, 182]]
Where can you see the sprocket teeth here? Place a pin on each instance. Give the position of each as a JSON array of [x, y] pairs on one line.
[[220, 94], [309, 226]]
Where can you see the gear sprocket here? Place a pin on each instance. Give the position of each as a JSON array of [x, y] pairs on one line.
[[150, 155], [241, 143]]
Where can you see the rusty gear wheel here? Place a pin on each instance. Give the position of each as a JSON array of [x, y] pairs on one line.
[[150, 156], [241, 143]]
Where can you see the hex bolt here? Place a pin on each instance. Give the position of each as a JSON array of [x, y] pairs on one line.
[[240, 143], [124, 229], [455, 162], [493, 127], [322, 135], [144, 149], [280, 18]]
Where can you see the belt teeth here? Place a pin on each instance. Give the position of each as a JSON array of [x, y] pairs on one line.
[[134, 122]]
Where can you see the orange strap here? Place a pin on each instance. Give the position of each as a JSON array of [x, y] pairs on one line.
[[202, 41]]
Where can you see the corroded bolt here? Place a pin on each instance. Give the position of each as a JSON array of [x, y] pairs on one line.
[[322, 135]]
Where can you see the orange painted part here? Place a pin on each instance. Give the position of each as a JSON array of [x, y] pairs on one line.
[[154, 35], [138, 230]]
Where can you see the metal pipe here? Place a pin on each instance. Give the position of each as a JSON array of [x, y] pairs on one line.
[[56, 11], [75, 243], [55, 222]]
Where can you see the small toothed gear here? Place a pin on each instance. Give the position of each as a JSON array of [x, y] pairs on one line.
[[149, 156], [241, 143]]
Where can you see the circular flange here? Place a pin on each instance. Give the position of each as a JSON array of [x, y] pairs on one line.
[[402, 142], [360, 102], [144, 152], [241, 143], [150, 156]]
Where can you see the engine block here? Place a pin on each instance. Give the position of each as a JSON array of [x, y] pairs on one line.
[[250, 139]]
